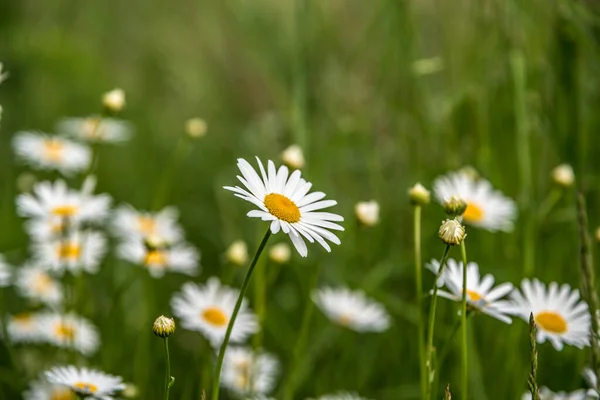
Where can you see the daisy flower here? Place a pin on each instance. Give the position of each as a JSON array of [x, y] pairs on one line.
[[86, 382], [42, 390], [207, 309], [248, 373], [547, 394], [34, 283], [95, 129], [481, 295], [589, 376], [70, 331], [129, 223], [43, 151], [55, 201], [486, 208], [182, 257], [24, 328], [5, 273], [79, 251], [352, 309], [559, 314], [283, 199], [342, 396]]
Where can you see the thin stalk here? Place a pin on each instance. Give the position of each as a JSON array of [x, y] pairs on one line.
[[236, 309], [168, 380], [532, 381], [419, 294], [432, 321], [463, 320]]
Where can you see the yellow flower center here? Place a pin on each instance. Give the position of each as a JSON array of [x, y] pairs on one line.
[[61, 394], [551, 321], [215, 316], [64, 331], [146, 225], [473, 213], [474, 296], [64, 211], [90, 128], [282, 207], [42, 283], [345, 319], [23, 319], [68, 250], [53, 149], [155, 258], [85, 387]]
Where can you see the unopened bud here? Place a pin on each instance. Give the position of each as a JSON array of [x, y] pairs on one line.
[[452, 232], [563, 175], [154, 242], [367, 212], [114, 100], [280, 253], [131, 391], [293, 156], [237, 253], [455, 206], [163, 326], [418, 195], [195, 127]]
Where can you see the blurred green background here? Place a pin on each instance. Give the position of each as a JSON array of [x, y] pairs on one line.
[[380, 94]]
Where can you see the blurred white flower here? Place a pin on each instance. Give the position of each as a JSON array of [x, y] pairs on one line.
[[237, 253], [41, 389], [367, 212], [342, 396], [547, 394], [5, 272], [283, 199], [70, 331], [95, 129], [563, 175], [486, 208], [195, 127], [114, 100], [46, 152], [180, 257], [131, 224], [280, 253], [86, 382], [207, 309], [24, 328], [34, 283], [481, 295], [293, 157], [352, 309], [559, 314], [248, 373]]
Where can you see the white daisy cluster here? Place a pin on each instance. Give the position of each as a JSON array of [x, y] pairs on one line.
[[84, 382], [249, 373]]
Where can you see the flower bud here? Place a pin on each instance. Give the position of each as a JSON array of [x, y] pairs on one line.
[[163, 326], [114, 100], [455, 206], [452, 232], [131, 391], [280, 253], [293, 157], [237, 253], [154, 242], [563, 175], [367, 212], [418, 195], [195, 128]]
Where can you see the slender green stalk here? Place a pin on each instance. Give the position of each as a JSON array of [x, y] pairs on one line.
[[236, 309], [434, 296], [447, 394], [299, 347], [168, 379], [532, 381], [419, 294], [463, 320]]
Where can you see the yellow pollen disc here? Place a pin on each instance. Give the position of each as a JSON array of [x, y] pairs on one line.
[[90, 128], [64, 211], [345, 319], [282, 207], [474, 296], [64, 331], [61, 394], [146, 225], [42, 282], [85, 387], [53, 149], [551, 322], [473, 213], [155, 258], [215, 316], [68, 251]]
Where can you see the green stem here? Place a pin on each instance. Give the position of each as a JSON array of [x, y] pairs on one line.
[[419, 294], [168, 373], [432, 322], [299, 347], [463, 319], [236, 309]]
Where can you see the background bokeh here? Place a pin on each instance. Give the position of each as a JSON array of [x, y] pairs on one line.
[[380, 94]]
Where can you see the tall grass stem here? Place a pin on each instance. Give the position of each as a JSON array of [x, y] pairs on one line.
[[463, 320], [419, 295]]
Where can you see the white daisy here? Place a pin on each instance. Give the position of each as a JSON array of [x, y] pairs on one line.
[[5, 273], [352, 309], [486, 208], [43, 151], [283, 199], [481, 295], [34, 283], [79, 251], [129, 223], [342, 396], [55, 201], [86, 382], [24, 328], [547, 394], [41, 389], [246, 372], [207, 309], [590, 378], [559, 314], [95, 129], [70, 331], [181, 257]]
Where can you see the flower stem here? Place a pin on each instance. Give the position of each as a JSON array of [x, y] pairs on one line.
[[168, 382], [236, 309], [532, 381], [432, 322], [463, 319], [419, 294]]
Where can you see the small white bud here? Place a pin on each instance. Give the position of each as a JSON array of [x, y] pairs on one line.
[[418, 195], [195, 127], [367, 212], [131, 391], [237, 253], [563, 175], [455, 206], [293, 157], [280, 253], [114, 100], [452, 232], [163, 326]]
